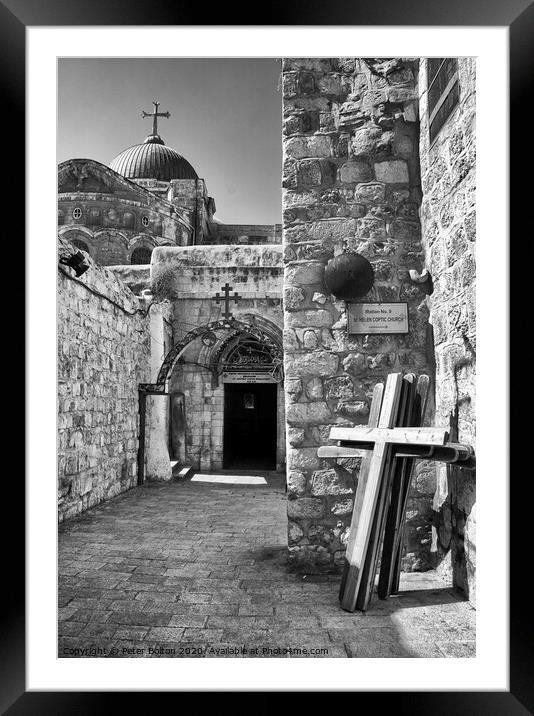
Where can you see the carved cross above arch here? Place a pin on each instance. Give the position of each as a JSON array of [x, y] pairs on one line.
[[226, 298]]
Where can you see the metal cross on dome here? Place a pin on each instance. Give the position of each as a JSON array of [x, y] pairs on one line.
[[155, 114], [227, 298]]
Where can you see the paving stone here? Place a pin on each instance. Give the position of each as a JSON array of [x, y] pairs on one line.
[[204, 636], [457, 649], [140, 618], [90, 615], [163, 588], [370, 650], [70, 628], [96, 629], [130, 633], [171, 634], [188, 620]]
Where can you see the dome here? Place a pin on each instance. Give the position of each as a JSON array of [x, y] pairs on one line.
[[152, 160]]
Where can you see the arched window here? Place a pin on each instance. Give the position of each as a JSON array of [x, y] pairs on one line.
[[94, 216], [249, 353], [141, 255], [80, 245], [128, 220]]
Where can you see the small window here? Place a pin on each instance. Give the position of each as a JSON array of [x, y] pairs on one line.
[[145, 221], [248, 401], [141, 256], [80, 245], [128, 220], [443, 92], [77, 213]]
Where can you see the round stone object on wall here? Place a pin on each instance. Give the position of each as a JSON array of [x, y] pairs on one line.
[[349, 276]]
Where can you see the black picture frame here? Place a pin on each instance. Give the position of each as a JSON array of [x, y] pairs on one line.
[[15, 16]]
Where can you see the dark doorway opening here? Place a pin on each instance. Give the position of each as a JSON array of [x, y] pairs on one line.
[[250, 426]]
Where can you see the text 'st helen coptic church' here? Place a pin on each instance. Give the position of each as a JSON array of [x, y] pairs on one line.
[[214, 346]]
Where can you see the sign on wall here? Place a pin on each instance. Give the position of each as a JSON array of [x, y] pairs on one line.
[[377, 318], [247, 376]]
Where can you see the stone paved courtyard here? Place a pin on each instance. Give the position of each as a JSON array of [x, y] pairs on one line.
[[188, 569]]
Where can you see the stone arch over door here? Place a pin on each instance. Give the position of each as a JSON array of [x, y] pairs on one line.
[[271, 336], [201, 391]]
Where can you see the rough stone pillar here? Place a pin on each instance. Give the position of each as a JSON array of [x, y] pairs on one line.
[[351, 183], [158, 465]]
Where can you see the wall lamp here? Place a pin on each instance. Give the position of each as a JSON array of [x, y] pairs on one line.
[[75, 261]]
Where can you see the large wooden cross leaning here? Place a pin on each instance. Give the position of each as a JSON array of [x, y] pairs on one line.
[[388, 454]]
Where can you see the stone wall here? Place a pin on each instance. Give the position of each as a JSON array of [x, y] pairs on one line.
[[351, 184], [244, 234], [448, 221], [192, 194], [103, 353]]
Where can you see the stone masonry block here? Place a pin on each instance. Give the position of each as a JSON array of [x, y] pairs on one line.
[[316, 363], [305, 508], [355, 171], [327, 482], [392, 172], [305, 413]]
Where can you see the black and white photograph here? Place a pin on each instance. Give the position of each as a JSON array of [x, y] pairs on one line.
[[265, 269], [266, 357]]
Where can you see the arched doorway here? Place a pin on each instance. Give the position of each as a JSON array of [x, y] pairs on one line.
[[226, 379]]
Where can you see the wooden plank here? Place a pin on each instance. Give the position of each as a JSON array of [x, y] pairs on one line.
[[362, 523], [336, 451], [421, 398], [414, 436], [394, 514], [376, 405], [356, 558], [384, 500], [390, 403], [374, 416], [451, 452]]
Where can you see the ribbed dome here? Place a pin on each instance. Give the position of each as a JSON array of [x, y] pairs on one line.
[[152, 160]]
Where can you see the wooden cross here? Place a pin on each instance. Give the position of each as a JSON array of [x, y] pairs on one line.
[[155, 114], [227, 298], [388, 454]]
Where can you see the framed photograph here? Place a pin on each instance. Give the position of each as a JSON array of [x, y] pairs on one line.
[[187, 186]]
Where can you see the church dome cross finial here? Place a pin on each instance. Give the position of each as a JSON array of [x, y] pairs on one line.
[[151, 159], [155, 114]]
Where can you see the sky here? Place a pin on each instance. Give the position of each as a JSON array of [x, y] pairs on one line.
[[225, 120]]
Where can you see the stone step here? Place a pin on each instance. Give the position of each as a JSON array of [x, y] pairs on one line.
[[182, 473]]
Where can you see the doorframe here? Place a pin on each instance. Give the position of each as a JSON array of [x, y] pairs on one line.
[[276, 421]]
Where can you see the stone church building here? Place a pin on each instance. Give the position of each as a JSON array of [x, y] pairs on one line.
[[192, 343]]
